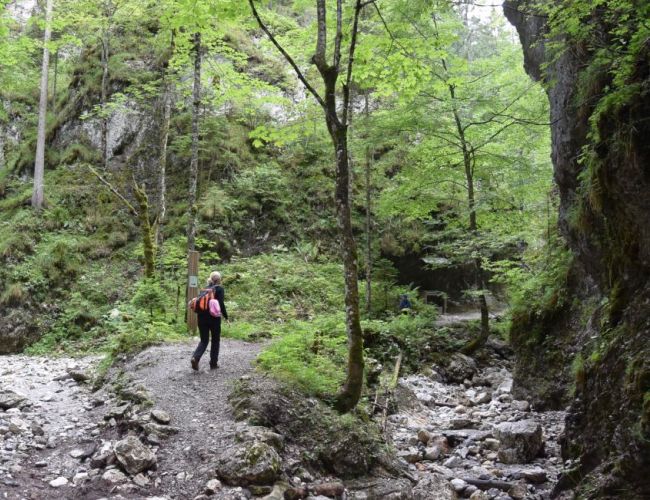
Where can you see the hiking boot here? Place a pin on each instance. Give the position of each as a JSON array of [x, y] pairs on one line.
[[214, 366], [195, 364]]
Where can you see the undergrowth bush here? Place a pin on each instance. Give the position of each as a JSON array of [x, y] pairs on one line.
[[310, 355], [280, 287]]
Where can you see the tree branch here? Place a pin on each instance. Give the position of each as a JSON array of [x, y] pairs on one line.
[[114, 190], [339, 35], [320, 57], [289, 59], [348, 78]]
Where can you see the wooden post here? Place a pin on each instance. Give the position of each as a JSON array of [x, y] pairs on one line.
[[192, 287]]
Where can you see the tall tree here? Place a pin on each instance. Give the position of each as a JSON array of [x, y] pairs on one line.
[[39, 167], [368, 188], [194, 160], [108, 11], [336, 109]]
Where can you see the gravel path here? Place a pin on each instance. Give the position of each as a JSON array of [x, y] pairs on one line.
[[197, 403], [57, 415]]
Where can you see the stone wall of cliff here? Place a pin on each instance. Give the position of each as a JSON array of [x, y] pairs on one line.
[[596, 349]]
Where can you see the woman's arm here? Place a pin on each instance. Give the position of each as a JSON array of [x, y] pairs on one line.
[[220, 294]]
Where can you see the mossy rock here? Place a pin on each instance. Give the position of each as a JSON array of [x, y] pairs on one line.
[[254, 463], [345, 445]]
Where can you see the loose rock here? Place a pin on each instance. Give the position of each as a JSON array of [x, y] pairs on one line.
[[331, 489], [521, 441], [58, 482], [161, 416], [114, 476], [10, 399], [133, 455], [212, 486], [241, 465]]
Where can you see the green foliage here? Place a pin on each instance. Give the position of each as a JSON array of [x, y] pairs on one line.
[[266, 210], [150, 297], [280, 287], [616, 33], [538, 288], [138, 333], [76, 325], [415, 336], [310, 355]]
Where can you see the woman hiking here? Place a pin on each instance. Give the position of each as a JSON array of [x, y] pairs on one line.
[[210, 322]]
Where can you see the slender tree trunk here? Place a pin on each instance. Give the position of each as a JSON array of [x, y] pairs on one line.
[[104, 96], [337, 125], [39, 167], [351, 391], [145, 230], [2, 146], [194, 160], [368, 233], [56, 72], [473, 227], [368, 179], [164, 137]]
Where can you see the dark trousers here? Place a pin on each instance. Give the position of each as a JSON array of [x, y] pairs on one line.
[[209, 324]]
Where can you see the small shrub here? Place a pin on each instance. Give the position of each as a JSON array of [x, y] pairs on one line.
[[14, 295], [150, 297], [310, 355]]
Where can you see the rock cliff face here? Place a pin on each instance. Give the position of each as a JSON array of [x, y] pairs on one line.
[[605, 218]]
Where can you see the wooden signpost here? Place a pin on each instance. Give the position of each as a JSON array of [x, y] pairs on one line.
[[192, 287]]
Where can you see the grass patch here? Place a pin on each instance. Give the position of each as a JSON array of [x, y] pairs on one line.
[[309, 355]]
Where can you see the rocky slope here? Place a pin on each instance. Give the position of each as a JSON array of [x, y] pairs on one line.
[[604, 216]]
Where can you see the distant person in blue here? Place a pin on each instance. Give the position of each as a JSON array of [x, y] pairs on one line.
[[404, 304]]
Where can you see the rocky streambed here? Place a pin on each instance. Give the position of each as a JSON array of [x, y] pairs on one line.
[[463, 423], [160, 430]]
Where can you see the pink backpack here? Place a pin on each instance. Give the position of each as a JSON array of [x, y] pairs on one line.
[[215, 308]]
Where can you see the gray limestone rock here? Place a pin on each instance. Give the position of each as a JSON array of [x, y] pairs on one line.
[[434, 487], [134, 456], [10, 399], [246, 433], [250, 463], [160, 416], [521, 441]]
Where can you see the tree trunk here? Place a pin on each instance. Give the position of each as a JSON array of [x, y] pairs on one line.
[[473, 228], [194, 161], [39, 167], [104, 97], [145, 230], [56, 72], [368, 233], [368, 172], [164, 136], [480, 283], [351, 391], [338, 129], [2, 146]]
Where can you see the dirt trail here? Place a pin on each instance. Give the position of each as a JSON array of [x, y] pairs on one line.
[[58, 415], [197, 403], [470, 315]]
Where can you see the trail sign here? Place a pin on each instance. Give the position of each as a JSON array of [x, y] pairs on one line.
[[192, 287]]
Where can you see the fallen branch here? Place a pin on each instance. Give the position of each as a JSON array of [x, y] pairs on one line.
[[113, 190], [442, 403]]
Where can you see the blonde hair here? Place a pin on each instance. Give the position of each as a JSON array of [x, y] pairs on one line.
[[215, 278]]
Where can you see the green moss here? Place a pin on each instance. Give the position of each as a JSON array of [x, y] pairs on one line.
[[14, 295], [579, 373]]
